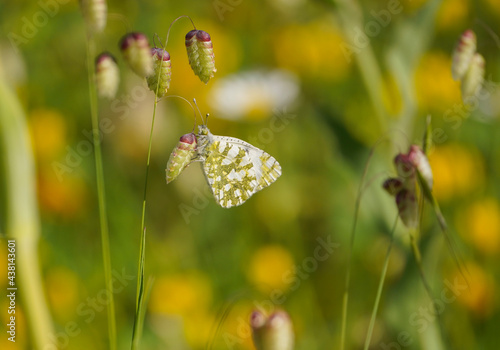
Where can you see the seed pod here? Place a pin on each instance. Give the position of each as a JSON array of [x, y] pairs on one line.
[[462, 55], [137, 53], [107, 75], [421, 163], [201, 54], [405, 170], [406, 201], [161, 68], [393, 186], [273, 333], [181, 156], [474, 78], [95, 13]]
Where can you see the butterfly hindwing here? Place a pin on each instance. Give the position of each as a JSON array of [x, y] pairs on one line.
[[235, 170]]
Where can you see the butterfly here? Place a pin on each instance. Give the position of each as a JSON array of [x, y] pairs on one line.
[[233, 168]]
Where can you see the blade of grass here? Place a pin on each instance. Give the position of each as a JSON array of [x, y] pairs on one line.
[[22, 220], [345, 299], [103, 219], [380, 288], [139, 302]]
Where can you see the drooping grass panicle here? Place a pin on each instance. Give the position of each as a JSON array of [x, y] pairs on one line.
[[273, 332], [200, 53], [159, 80], [137, 53], [107, 75], [463, 53], [95, 13]]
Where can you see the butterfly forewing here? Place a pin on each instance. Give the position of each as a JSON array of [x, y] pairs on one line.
[[235, 170]]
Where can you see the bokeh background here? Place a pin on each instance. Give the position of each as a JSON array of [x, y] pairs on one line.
[[285, 83]]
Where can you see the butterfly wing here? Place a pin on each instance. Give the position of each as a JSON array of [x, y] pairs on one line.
[[235, 170]]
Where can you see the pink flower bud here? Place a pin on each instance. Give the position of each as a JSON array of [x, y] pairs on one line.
[[421, 163], [162, 70], [107, 75], [473, 80], [137, 53], [201, 54], [462, 55], [95, 13], [273, 333]]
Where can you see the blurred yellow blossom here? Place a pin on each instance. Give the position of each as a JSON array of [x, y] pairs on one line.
[[268, 266], [452, 14], [62, 292], [66, 198], [479, 224], [479, 297], [48, 132], [189, 293], [436, 90], [457, 170], [313, 50]]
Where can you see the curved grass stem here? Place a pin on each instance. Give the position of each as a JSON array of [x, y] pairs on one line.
[[103, 220], [345, 299], [380, 288]]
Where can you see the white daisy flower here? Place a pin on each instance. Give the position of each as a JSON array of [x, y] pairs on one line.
[[253, 95]]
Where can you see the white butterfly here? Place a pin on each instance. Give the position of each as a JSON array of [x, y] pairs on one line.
[[234, 169]]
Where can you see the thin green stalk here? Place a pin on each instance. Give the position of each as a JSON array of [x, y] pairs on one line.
[[138, 320], [22, 219], [103, 220], [345, 299], [380, 288]]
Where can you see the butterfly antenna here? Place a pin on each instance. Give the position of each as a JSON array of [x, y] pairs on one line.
[[199, 112]]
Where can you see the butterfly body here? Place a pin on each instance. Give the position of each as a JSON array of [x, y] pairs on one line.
[[233, 168]]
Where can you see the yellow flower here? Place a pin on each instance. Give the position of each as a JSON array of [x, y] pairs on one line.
[[62, 292], [480, 225], [436, 90], [452, 14], [457, 170], [183, 295], [311, 50], [66, 198], [48, 132], [268, 266], [480, 296]]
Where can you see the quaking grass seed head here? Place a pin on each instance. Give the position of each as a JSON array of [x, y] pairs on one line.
[[95, 13], [162, 71], [107, 75], [181, 156], [272, 333], [137, 53], [393, 185], [421, 163], [406, 201], [473, 80], [201, 54], [462, 55]]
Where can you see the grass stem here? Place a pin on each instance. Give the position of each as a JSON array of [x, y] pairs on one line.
[[103, 219]]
